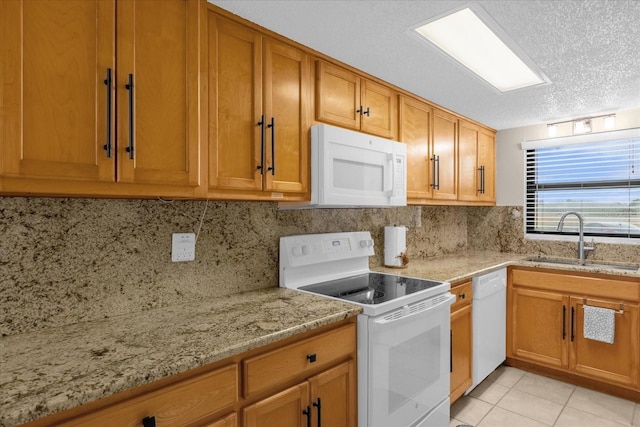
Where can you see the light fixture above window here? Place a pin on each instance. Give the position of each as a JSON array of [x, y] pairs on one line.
[[482, 47], [581, 126]]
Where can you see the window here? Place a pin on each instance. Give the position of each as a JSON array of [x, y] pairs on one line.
[[595, 175]]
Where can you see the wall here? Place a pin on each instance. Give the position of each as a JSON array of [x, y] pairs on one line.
[[510, 159]]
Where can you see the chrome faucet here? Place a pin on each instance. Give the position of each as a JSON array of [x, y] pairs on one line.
[[582, 249]]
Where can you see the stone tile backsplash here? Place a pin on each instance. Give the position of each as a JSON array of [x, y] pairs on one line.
[[64, 261]]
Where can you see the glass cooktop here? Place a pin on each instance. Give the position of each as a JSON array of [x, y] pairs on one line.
[[371, 288]]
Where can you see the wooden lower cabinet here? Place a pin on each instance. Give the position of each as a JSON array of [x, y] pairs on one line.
[[545, 326], [329, 396], [461, 341]]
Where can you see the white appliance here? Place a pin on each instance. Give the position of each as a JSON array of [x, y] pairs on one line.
[[403, 333], [353, 169], [489, 315]]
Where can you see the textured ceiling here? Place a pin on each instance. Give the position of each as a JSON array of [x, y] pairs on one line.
[[589, 50]]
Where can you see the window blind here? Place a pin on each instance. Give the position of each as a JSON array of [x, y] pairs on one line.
[[598, 177]]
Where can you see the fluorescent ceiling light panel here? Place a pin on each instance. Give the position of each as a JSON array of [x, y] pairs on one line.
[[467, 39]]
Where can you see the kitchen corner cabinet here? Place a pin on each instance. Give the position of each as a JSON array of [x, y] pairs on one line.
[[461, 340], [476, 163], [99, 92], [346, 99], [259, 94], [545, 320]]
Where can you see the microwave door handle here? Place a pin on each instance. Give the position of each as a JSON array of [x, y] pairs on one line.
[[395, 189]]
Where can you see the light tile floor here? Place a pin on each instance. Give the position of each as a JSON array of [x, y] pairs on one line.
[[510, 397]]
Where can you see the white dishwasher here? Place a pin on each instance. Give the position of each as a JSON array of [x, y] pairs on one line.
[[489, 315]]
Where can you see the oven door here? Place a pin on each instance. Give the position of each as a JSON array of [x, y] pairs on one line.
[[408, 369]]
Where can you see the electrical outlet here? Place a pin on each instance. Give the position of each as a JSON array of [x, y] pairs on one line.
[[183, 247]]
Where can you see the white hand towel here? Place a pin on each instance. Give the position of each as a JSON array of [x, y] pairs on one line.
[[599, 324]]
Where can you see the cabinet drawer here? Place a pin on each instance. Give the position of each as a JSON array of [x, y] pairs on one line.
[[463, 293], [624, 288], [279, 366], [174, 405]]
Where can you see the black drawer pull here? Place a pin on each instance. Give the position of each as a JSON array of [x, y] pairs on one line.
[[149, 422], [311, 357], [463, 296]]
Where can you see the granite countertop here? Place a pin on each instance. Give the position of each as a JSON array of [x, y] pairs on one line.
[[463, 266], [47, 372]]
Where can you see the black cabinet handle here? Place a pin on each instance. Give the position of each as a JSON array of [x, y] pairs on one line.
[[572, 316], [108, 81], [463, 296], [311, 357], [564, 326], [360, 110], [436, 172], [272, 126], [149, 422], [261, 165], [307, 412], [317, 405], [481, 189], [366, 113], [129, 87]]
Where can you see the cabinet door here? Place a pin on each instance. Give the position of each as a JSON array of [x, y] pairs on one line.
[[381, 106], [235, 105], [445, 136], [461, 352], [617, 362], [284, 409], [158, 126], [468, 170], [333, 396], [286, 97], [337, 96], [487, 161], [540, 330], [415, 131], [54, 60]]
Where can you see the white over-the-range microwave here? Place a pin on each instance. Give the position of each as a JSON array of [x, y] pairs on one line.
[[354, 169]]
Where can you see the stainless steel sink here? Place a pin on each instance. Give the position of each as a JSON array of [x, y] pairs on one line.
[[629, 267]]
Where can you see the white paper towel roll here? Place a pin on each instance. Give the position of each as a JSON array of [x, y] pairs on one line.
[[395, 246]]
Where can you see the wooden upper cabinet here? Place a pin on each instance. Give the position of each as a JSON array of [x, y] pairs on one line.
[[258, 111], [158, 126], [379, 110], [235, 105], [476, 163], [65, 96], [444, 155], [286, 102], [415, 131], [55, 56], [345, 99]]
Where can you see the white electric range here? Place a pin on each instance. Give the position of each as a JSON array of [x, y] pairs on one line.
[[403, 333]]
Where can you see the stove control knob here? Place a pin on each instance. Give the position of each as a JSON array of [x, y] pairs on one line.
[[366, 243], [297, 250], [306, 249]]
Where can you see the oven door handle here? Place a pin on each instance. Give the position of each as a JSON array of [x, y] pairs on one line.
[[416, 309]]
